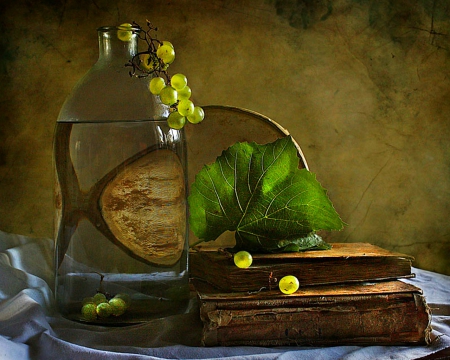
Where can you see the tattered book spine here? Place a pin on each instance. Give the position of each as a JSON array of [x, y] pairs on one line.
[[382, 319]]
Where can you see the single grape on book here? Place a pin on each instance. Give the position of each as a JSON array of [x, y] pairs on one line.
[[243, 259]]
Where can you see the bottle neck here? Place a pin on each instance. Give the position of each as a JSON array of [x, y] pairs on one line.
[[114, 50]]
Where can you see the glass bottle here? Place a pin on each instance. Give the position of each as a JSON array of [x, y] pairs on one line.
[[120, 196]]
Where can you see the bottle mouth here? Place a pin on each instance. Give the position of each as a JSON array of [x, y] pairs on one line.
[[133, 28]]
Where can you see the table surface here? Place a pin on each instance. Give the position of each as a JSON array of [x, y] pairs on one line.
[[31, 329]]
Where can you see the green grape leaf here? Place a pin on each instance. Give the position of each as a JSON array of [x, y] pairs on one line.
[[259, 192]]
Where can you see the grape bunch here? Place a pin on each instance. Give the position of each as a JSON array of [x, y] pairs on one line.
[[172, 91], [99, 306]]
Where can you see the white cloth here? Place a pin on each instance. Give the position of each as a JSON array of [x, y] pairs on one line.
[[31, 329]]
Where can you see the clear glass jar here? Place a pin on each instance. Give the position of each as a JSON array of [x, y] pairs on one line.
[[121, 184]]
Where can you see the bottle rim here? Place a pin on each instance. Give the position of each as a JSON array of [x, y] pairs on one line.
[[133, 28]]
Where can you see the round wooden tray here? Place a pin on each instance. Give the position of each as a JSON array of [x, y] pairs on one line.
[[223, 126]]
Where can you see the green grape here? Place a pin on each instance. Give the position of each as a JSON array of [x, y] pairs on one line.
[[104, 310], [156, 85], [197, 116], [186, 107], [99, 298], [176, 120], [178, 81], [89, 311], [88, 300], [148, 63], [125, 297], [168, 43], [124, 33], [243, 259], [118, 306], [288, 284], [184, 93], [168, 95], [166, 52]]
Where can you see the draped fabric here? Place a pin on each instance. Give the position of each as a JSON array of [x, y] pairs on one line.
[[30, 328]]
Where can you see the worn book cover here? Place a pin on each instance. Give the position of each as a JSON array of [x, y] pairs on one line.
[[383, 313], [343, 263]]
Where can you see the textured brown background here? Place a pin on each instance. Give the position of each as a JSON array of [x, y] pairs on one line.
[[363, 86]]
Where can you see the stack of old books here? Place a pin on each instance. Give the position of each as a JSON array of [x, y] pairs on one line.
[[351, 294]]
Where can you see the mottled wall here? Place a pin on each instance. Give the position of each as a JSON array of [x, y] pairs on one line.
[[363, 86]]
